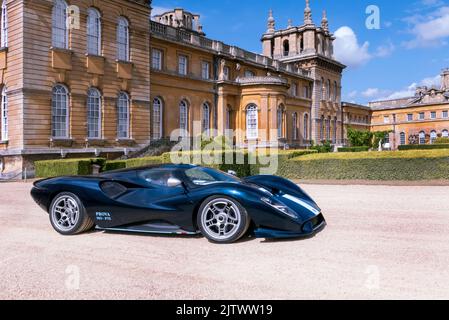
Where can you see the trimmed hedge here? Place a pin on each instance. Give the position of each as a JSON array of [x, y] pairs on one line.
[[404, 165], [141, 162], [114, 165], [353, 149], [66, 167], [423, 146]]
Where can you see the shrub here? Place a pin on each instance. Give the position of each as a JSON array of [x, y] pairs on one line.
[[141, 162], [353, 149], [423, 146], [405, 165], [326, 147], [442, 140], [114, 165], [66, 167]]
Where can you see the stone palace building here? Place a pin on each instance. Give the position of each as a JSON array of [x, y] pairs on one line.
[[83, 78]]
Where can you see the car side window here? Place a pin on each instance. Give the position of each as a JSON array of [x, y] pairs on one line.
[[199, 177], [156, 177]]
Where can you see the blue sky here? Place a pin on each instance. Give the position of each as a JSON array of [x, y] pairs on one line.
[[410, 48]]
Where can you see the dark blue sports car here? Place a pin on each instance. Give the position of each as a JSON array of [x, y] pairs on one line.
[[179, 199]]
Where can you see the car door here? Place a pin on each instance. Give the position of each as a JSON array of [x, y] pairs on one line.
[[157, 199]]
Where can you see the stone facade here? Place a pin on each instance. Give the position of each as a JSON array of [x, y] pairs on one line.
[[310, 47], [412, 120], [31, 66]]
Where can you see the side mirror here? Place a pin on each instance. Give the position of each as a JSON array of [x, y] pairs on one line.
[[173, 182], [232, 172]]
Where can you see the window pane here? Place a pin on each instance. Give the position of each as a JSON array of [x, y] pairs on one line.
[[93, 114], [123, 116]]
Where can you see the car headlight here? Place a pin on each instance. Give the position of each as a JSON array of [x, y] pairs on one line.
[[280, 207]]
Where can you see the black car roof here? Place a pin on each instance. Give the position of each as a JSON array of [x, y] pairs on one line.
[[157, 166]]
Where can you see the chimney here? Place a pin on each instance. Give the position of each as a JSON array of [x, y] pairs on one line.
[[445, 79]]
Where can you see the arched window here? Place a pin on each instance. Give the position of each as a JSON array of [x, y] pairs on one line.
[[60, 112], [4, 25], [286, 46], [205, 118], [123, 116], [93, 114], [184, 118], [123, 39], [301, 45], [60, 33], [295, 126], [328, 128], [306, 126], [157, 118], [252, 122], [445, 134], [328, 90], [280, 121], [433, 136], [402, 138], [93, 32], [422, 137], [4, 115]]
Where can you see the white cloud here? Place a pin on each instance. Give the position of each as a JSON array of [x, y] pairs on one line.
[[410, 90], [430, 30], [385, 50], [348, 50], [159, 10], [371, 92]]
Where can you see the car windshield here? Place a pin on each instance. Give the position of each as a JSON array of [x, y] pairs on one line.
[[203, 176]]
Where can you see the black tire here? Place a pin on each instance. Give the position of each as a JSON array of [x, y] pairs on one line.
[[79, 225], [236, 210]]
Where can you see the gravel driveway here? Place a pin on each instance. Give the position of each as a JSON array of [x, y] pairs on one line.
[[381, 242]]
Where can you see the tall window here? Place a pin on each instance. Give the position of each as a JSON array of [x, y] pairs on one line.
[[410, 117], [4, 25], [335, 91], [157, 118], [445, 114], [205, 118], [93, 114], [4, 115], [422, 137], [306, 126], [228, 118], [252, 122], [402, 138], [334, 136], [205, 70], [123, 116], [93, 32], [183, 118], [328, 129], [323, 89], [60, 112], [280, 121], [123, 39], [295, 126], [60, 33], [322, 129], [182, 65], [156, 59], [433, 115], [422, 116], [294, 89], [329, 91], [433, 136]]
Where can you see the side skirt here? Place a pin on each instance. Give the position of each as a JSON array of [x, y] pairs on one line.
[[151, 228]]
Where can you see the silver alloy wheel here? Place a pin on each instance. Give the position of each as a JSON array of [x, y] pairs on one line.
[[221, 219], [65, 213]]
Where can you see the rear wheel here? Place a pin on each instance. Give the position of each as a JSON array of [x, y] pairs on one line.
[[222, 219], [68, 215]]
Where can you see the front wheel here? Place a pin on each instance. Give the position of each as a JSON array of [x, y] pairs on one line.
[[222, 219], [68, 215]]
